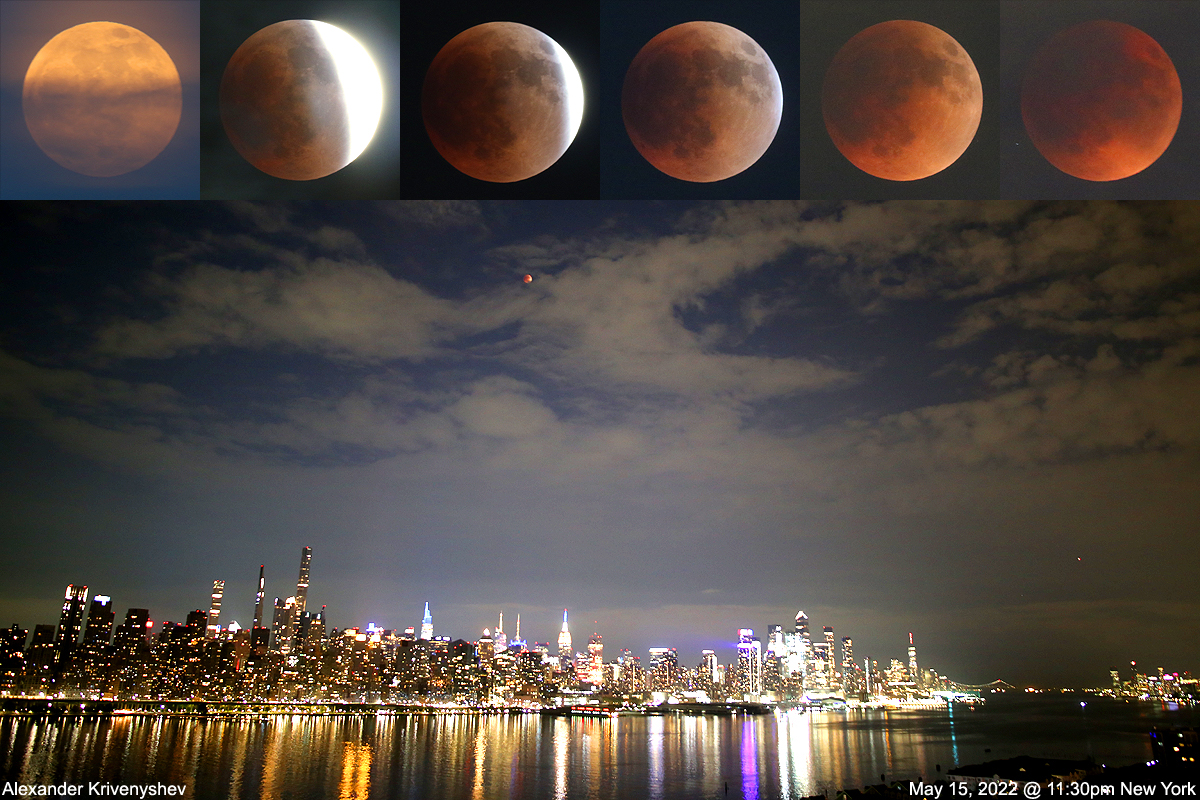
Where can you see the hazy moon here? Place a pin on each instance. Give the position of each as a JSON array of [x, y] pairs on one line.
[[1101, 100], [300, 99], [502, 101], [902, 100], [702, 101], [102, 99]]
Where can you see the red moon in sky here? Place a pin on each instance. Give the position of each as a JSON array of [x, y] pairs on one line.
[[902, 100], [702, 101], [300, 99], [528, 279], [1101, 100], [502, 102]]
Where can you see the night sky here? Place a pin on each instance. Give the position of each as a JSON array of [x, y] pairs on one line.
[[972, 421]]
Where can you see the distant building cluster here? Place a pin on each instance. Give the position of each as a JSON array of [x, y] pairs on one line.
[[1161, 686], [297, 658]]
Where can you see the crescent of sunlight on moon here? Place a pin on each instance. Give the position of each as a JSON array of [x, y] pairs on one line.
[[902, 100], [1101, 100], [502, 101], [702, 101], [301, 99], [102, 99]]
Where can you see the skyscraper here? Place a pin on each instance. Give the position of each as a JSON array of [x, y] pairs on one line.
[[283, 625], [596, 658], [258, 603], [214, 610], [70, 623], [564, 643], [302, 581], [499, 637], [99, 621], [831, 656], [913, 674], [749, 662], [427, 624]]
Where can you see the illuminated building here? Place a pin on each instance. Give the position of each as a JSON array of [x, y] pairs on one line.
[[800, 660], [517, 643], [499, 637], [302, 581], [596, 660], [214, 610], [12, 656], [283, 625], [564, 643], [749, 663], [913, 674], [831, 671], [664, 668], [99, 621], [817, 678], [258, 603], [487, 649], [775, 642], [706, 672], [850, 674], [70, 623], [427, 624]]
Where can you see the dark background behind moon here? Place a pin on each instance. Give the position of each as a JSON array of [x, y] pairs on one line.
[[375, 174], [428, 27]]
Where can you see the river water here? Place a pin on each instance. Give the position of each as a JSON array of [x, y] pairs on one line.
[[428, 757]]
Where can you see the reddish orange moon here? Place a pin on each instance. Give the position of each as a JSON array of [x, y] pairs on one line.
[[702, 101], [902, 100], [300, 99], [528, 279], [502, 102], [1101, 100], [102, 99]]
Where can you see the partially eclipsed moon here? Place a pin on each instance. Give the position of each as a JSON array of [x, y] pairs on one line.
[[902, 100], [1101, 100], [702, 101], [502, 101], [102, 99], [300, 99]]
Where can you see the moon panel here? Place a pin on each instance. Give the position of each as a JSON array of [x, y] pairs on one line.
[[102, 99], [300, 99], [1101, 100], [702, 101], [902, 100], [502, 102]]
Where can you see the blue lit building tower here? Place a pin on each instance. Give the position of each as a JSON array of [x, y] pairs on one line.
[[427, 624]]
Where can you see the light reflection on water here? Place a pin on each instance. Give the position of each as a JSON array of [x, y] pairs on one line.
[[786, 755]]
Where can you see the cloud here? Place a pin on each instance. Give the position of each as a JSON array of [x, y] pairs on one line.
[[344, 310]]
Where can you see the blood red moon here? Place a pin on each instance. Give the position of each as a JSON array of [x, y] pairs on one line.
[[902, 100], [502, 102], [702, 101], [300, 99], [1101, 100]]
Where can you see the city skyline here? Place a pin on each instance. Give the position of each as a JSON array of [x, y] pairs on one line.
[[968, 420]]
